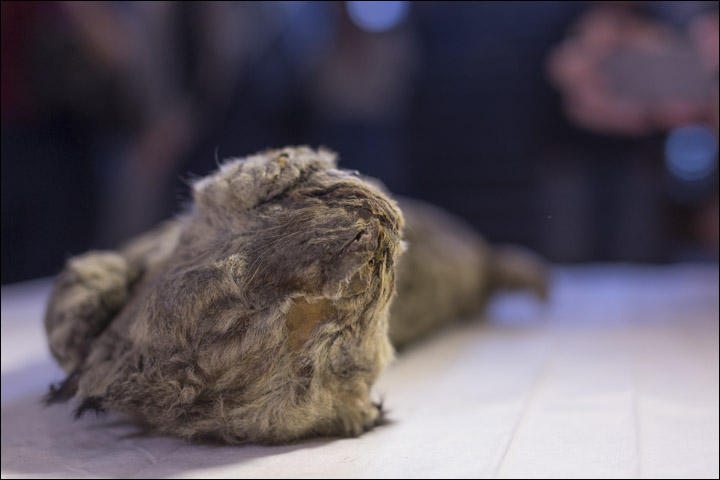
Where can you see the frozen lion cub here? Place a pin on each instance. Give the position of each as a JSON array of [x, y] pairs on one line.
[[263, 313]]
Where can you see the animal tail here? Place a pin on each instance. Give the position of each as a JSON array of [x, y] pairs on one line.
[[516, 268]]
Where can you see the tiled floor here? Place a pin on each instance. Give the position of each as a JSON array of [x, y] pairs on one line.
[[616, 377]]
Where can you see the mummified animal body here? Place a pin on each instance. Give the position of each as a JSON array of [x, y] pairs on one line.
[[262, 313]]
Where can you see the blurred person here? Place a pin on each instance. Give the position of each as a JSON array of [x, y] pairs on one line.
[[639, 70], [359, 88], [104, 100], [483, 114], [319, 79], [178, 59], [57, 100]]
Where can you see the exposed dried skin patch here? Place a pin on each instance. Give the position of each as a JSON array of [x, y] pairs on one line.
[[303, 317]]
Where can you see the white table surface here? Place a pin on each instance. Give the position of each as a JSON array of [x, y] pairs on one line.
[[616, 377]]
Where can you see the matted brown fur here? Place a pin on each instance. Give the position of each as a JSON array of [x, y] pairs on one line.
[[262, 313]]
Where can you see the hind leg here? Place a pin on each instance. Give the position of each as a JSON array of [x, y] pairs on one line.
[[88, 292]]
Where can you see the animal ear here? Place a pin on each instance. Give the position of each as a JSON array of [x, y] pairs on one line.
[[244, 183]]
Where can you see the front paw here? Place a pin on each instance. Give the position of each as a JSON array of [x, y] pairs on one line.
[[368, 418], [86, 295]]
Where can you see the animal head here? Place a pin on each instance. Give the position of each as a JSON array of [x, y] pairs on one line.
[[268, 321]]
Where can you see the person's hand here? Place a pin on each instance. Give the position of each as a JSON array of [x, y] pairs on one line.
[[623, 74]]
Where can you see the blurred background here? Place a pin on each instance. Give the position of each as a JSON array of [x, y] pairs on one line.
[[584, 130]]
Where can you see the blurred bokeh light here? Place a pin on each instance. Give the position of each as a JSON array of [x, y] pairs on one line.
[[377, 16], [691, 152]]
